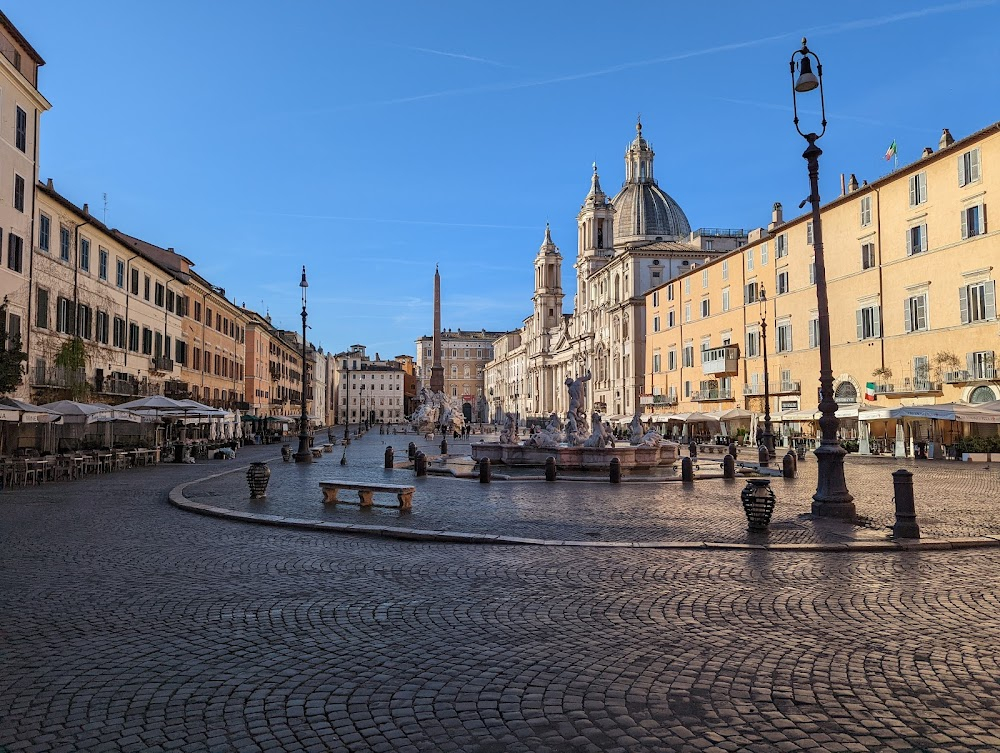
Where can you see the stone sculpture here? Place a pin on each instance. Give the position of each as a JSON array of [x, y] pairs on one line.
[[652, 438], [438, 413], [635, 430], [507, 430], [599, 438]]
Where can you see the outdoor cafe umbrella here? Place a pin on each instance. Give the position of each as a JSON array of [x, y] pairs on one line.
[[17, 411]]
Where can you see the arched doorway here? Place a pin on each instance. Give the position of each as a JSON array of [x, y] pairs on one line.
[[982, 394], [846, 393]]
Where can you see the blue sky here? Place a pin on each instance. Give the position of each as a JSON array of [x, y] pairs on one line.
[[370, 141]]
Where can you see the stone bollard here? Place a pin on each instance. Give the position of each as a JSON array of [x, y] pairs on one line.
[[444, 446], [729, 467], [795, 460], [616, 471], [484, 471], [411, 451], [763, 456], [389, 464], [550, 468], [800, 453], [420, 464], [732, 449], [693, 449], [788, 465], [906, 515], [687, 469]]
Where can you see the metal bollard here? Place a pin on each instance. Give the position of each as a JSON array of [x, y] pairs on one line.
[[693, 449], [444, 446], [906, 515], [687, 469], [729, 467], [420, 464], [616, 471], [550, 468], [763, 457], [484, 471], [788, 465], [411, 451], [732, 449], [389, 464]]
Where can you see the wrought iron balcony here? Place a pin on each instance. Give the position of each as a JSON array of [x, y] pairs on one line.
[[712, 395], [776, 388], [723, 361], [162, 363], [985, 372], [57, 376], [909, 387]]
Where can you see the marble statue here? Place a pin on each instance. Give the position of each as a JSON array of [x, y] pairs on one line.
[[438, 413], [635, 430], [599, 438], [652, 438], [508, 430], [548, 437]]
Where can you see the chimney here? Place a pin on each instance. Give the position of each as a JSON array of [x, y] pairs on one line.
[[50, 185], [775, 216], [946, 139], [86, 208], [852, 184], [927, 152], [843, 185]]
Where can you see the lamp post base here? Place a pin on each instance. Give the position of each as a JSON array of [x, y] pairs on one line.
[[304, 454], [832, 500]]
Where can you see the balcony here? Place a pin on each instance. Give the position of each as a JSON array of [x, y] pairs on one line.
[[778, 388], [161, 363], [658, 400], [57, 376], [909, 388], [985, 372], [722, 361], [176, 390], [712, 395]]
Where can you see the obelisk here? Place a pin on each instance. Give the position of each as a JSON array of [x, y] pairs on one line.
[[437, 370]]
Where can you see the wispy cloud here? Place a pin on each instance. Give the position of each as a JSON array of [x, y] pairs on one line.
[[827, 30], [838, 116], [457, 55]]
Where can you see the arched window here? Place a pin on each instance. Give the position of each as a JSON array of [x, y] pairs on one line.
[[846, 392], [618, 288], [982, 394]]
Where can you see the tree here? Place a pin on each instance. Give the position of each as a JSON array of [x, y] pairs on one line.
[[72, 358], [11, 356]]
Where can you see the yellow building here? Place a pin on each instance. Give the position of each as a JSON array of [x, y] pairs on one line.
[[216, 330], [911, 265]]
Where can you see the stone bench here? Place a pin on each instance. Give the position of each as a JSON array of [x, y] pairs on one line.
[[713, 449], [365, 492]]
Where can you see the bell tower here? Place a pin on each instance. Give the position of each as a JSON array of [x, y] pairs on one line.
[[595, 239], [548, 283]]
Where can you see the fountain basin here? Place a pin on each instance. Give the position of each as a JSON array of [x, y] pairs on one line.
[[577, 458]]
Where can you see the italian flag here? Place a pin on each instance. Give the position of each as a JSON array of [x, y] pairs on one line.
[[891, 151], [870, 391]]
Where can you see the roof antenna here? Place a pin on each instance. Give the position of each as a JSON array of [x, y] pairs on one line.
[[105, 207]]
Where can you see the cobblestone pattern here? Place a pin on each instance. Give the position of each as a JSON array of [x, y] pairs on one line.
[[952, 500], [127, 625]]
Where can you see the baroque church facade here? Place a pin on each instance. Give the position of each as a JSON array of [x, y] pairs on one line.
[[626, 245]]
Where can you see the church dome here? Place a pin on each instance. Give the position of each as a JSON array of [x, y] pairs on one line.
[[642, 209]]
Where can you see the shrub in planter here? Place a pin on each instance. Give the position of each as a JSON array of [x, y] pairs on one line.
[[850, 445]]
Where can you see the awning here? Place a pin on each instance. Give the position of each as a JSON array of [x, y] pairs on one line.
[[965, 412], [12, 410]]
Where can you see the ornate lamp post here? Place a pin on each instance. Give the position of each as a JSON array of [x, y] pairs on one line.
[[304, 454], [768, 436], [832, 499]]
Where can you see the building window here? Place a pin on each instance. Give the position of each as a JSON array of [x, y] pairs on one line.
[[687, 355], [750, 293], [63, 315], [15, 252], [918, 189], [687, 285], [670, 292], [64, 243], [158, 295], [135, 282], [102, 264], [656, 324], [44, 231], [753, 343], [973, 221], [869, 322], [781, 246], [866, 211], [197, 318], [119, 273], [118, 333], [704, 278], [812, 271], [146, 286], [133, 337], [915, 313], [705, 308], [814, 333], [656, 363], [725, 299], [781, 281], [725, 269], [867, 255], [85, 254], [101, 327], [916, 239], [147, 341], [968, 167], [977, 302], [671, 359], [809, 233], [749, 258], [783, 339], [18, 193], [42, 308], [21, 130], [763, 254], [670, 318], [656, 300], [687, 312]]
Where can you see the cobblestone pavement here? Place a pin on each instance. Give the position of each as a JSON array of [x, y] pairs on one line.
[[952, 500], [128, 625]]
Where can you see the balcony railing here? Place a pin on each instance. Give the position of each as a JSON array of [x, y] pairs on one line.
[[162, 363], [658, 400], [778, 388], [57, 376], [908, 387], [704, 396], [982, 373], [723, 361]]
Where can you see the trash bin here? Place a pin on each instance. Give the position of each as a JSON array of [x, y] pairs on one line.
[[178, 453]]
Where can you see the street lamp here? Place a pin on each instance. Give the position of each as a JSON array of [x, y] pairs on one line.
[[767, 437], [347, 415], [304, 454], [832, 499]]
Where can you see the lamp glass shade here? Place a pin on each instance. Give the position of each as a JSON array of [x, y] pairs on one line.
[[807, 80]]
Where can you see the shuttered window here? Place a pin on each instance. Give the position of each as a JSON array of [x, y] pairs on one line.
[[916, 239], [968, 167], [977, 302], [973, 221], [869, 321], [915, 313], [918, 189]]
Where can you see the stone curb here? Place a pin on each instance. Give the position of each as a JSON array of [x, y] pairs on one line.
[[178, 500]]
